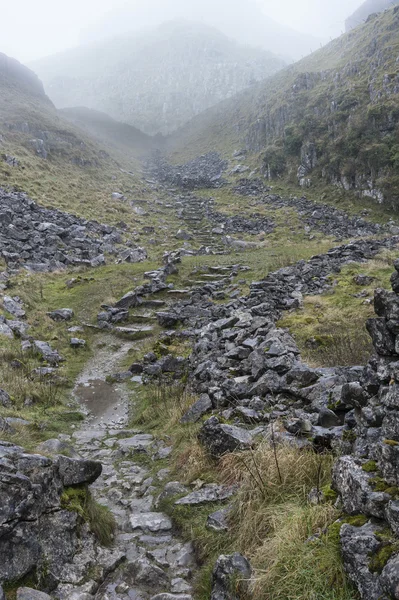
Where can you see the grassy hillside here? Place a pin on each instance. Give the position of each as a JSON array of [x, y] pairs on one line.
[[56, 163], [334, 114], [120, 136]]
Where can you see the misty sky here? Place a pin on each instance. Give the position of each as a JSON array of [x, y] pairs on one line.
[[31, 29]]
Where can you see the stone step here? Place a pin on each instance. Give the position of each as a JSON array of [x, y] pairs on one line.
[[134, 333], [142, 318]]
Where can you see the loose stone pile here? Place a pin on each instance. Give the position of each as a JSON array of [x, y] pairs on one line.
[[253, 225], [202, 172], [325, 218], [368, 479], [44, 239]]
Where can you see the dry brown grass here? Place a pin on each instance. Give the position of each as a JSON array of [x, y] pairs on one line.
[[273, 521]]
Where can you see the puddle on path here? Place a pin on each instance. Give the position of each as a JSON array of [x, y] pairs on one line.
[[104, 403]]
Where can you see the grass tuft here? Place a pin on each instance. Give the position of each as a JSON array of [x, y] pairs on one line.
[[99, 518]]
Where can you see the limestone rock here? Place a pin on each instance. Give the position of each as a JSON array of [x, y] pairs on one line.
[[220, 438], [61, 314], [77, 471], [30, 594], [229, 569], [197, 410], [209, 493]]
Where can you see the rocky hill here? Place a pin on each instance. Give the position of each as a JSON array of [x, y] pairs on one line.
[[155, 81], [56, 161], [13, 73], [331, 117], [365, 10]]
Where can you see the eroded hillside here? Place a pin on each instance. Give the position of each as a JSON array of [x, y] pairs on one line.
[[332, 117]]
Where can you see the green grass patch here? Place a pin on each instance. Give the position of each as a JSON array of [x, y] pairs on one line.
[[330, 328], [99, 518]]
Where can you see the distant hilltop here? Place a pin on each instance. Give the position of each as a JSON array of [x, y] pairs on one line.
[[367, 8], [12, 72]]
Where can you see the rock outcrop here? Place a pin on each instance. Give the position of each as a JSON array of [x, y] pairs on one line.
[[39, 535]]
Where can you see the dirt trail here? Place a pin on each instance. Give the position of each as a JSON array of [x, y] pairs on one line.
[[156, 561]]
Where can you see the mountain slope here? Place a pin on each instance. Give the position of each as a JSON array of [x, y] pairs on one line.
[[367, 8], [332, 116], [58, 164], [155, 81], [108, 130]]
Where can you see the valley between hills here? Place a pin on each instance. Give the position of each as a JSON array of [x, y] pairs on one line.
[[199, 336]]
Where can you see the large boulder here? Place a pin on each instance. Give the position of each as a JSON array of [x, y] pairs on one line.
[[219, 438], [77, 471], [36, 533]]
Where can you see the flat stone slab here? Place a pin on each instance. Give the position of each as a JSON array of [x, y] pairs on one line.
[[209, 493], [85, 435], [172, 597], [150, 522], [134, 332], [30, 594], [137, 442]]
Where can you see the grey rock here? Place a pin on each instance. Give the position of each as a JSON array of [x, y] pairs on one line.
[[358, 544], [150, 522], [5, 399], [218, 521], [172, 488], [183, 235], [383, 339], [302, 376], [357, 495], [220, 438], [19, 328], [77, 471], [56, 446], [327, 418], [209, 493], [61, 314], [77, 343], [140, 441], [13, 306], [197, 410], [48, 354], [167, 319], [227, 570], [166, 596], [6, 330], [390, 578], [31, 594]]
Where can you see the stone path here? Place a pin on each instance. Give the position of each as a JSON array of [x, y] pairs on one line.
[[157, 566]]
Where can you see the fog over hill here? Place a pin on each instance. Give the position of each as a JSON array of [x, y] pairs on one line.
[[243, 20], [155, 81]]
